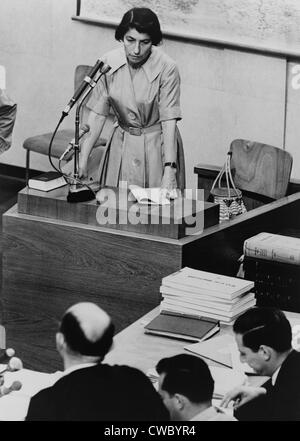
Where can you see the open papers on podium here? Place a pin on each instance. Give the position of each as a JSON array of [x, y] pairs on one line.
[[203, 294], [151, 196]]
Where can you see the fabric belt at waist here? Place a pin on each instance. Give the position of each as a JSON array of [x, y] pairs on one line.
[[138, 131]]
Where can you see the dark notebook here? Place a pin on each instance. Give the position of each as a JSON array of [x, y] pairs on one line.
[[183, 327]]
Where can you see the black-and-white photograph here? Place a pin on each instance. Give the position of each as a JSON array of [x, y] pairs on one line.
[[150, 213]]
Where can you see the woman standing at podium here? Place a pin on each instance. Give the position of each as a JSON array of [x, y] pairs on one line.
[[143, 91]]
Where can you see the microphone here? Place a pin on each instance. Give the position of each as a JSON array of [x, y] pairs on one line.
[[84, 129], [15, 364], [6, 354], [16, 385], [88, 80], [105, 68]]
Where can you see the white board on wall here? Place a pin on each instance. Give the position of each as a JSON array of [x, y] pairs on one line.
[[273, 24]]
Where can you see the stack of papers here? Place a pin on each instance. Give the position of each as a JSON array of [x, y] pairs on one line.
[[200, 293]]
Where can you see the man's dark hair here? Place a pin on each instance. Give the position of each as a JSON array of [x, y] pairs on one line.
[[78, 342], [187, 375], [264, 326], [144, 21]]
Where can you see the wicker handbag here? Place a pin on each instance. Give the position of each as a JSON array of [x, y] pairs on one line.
[[229, 197]]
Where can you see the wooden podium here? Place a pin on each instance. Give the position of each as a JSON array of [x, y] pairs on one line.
[[117, 210], [56, 254]]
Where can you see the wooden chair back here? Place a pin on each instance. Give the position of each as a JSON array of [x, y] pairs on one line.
[[260, 170], [80, 72]]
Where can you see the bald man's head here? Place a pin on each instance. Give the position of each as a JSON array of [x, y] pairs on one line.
[[87, 329]]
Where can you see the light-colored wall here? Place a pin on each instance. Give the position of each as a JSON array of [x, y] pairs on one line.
[[226, 94], [293, 116]]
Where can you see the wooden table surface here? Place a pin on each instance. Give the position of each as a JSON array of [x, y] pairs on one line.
[[135, 348]]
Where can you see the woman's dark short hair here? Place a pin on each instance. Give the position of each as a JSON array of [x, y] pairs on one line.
[[264, 326], [144, 21]]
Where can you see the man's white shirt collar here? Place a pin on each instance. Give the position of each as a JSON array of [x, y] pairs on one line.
[[76, 367], [275, 375]]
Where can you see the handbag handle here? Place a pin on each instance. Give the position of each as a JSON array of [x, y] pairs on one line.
[[229, 180]]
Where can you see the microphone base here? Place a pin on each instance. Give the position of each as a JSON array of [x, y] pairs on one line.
[[80, 193]]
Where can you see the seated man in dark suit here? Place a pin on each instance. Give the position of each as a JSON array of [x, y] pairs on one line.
[[90, 390], [264, 339], [186, 386]]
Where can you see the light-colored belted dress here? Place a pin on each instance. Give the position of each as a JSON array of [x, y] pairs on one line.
[[135, 150]]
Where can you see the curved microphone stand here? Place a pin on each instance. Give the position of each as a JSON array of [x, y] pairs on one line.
[[79, 191]]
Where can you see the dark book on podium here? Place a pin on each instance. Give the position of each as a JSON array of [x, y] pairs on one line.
[[47, 181], [183, 327]]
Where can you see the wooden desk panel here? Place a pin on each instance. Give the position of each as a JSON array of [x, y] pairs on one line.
[[49, 265]]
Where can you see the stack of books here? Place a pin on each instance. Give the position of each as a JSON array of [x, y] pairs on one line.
[[203, 294], [272, 261]]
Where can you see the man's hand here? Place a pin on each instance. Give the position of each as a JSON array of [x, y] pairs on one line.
[[241, 395], [169, 183]]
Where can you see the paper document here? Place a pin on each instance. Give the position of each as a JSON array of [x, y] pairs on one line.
[[14, 406], [225, 380], [221, 349], [150, 196], [32, 381]]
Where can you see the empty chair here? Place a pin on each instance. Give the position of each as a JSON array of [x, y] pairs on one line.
[[260, 170], [40, 143]]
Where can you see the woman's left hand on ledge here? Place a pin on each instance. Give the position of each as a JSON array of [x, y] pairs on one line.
[[169, 184]]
